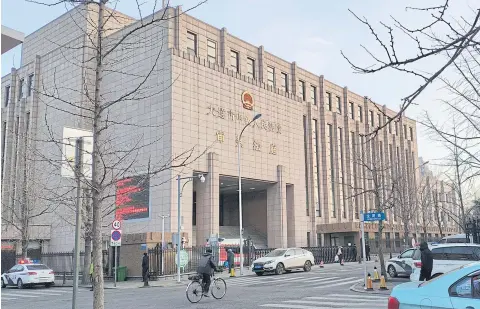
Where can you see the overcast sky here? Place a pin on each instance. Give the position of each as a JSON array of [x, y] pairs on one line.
[[310, 32]]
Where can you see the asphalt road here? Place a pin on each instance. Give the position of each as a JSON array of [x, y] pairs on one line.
[[321, 288]]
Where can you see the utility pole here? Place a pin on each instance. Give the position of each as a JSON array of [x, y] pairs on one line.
[[78, 173]]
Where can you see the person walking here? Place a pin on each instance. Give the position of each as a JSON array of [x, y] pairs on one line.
[[145, 264], [231, 261], [340, 255], [206, 266], [354, 252], [427, 262], [367, 252]]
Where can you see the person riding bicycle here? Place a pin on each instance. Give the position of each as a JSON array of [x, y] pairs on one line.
[[206, 267]]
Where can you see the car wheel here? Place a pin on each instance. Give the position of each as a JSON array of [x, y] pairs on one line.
[[307, 266], [3, 284], [279, 269], [260, 273], [392, 271], [20, 284]]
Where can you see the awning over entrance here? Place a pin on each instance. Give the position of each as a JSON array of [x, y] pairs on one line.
[[11, 39]]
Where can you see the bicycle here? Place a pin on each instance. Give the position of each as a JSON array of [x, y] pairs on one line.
[[195, 288]]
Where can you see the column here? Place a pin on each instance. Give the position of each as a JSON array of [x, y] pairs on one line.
[[261, 55], [208, 195], [224, 52], [276, 212]]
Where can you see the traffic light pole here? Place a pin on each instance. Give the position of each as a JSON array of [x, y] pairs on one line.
[[78, 172]]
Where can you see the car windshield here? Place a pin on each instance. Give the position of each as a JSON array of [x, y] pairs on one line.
[[37, 267], [276, 252]]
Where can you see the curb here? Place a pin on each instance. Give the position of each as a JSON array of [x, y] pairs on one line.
[[354, 288]]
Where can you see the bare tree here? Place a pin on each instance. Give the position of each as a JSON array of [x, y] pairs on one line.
[[109, 40], [425, 203], [443, 40]]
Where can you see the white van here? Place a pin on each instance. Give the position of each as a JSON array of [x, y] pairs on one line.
[[447, 257], [456, 239]]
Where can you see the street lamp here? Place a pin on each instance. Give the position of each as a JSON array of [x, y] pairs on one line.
[[179, 178], [257, 116], [163, 240]]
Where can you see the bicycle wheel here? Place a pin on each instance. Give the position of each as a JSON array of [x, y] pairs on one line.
[[194, 292], [219, 288]]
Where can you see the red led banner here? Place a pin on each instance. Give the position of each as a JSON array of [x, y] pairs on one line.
[[132, 198]]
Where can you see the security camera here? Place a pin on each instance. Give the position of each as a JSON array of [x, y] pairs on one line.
[[202, 178]]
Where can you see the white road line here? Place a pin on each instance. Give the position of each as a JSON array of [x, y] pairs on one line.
[[323, 300], [289, 306], [18, 295], [338, 283], [8, 298], [334, 302], [309, 281], [41, 293], [355, 296], [257, 282]]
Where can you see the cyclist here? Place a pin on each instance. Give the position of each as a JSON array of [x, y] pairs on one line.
[[206, 267]]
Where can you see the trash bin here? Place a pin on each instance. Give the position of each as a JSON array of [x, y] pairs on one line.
[[121, 273]]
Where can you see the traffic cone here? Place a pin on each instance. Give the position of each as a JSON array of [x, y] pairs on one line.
[[376, 277], [369, 283], [232, 272], [383, 284], [321, 264]]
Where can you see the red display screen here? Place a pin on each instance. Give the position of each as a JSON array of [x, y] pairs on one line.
[[132, 198]]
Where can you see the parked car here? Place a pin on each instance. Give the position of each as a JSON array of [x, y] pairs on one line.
[[402, 264], [22, 275], [458, 288], [447, 257], [284, 260]]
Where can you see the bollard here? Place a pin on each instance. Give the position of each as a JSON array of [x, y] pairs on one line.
[[232, 272], [383, 284], [64, 277], [369, 283], [376, 277], [321, 264]]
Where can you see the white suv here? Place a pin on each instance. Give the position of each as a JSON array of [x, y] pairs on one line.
[[447, 257], [284, 260]]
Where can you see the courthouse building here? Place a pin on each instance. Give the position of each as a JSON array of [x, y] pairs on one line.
[[303, 162]]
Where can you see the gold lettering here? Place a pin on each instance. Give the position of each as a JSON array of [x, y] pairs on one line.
[[273, 149], [220, 136], [256, 146]]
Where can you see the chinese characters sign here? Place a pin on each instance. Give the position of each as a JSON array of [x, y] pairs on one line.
[[374, 216], [132, 199], [220, 112]]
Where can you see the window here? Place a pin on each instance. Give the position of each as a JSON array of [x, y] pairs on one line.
[[211, 51], [234, 60], [194, 209], [360, 113], [341, 174], [20, 89], [396, 128], [192, 43], [372, 119], [389, 124], [329, 101], [271, 76], [301, 89], [7, 95], [339, 105], [316, 168], [4, 135], [411, 133], [407, 254], [29, 85], [308, 243], [351, 112], [251, 68], [332, 171], [463, 288], [387, 240], [305, 151], [405, 131], [313, 94], [284, 82], [379, 119]]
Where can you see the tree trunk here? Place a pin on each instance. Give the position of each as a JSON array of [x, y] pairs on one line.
[[97, 186], [405, 234], [87, 259], [383, 270]]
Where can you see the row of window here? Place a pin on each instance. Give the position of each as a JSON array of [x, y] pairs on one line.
[[21, 84]]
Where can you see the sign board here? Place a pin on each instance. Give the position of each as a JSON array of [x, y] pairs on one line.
[[116, 238], [143, 247], [374, 216], [183, 258], [132, 200], [68, 152], [116, 224]]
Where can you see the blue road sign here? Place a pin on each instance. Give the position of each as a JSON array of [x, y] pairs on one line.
[[374, 216], [116, 235]]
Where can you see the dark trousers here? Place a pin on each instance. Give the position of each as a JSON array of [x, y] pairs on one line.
[[206, 282], [425, 274], [91, 281], [368, 256], [144, 274]]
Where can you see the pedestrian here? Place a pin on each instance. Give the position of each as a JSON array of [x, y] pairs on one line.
[[427, 262], [340, 255], [145, 264], [354, 252], [367, 251], [91, 274], [206, 266], [230, 260]]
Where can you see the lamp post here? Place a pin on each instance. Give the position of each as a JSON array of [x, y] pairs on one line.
[[163, 239], [179, 222], [257, 116]]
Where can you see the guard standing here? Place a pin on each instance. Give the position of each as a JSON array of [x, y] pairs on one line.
[[145, 264]]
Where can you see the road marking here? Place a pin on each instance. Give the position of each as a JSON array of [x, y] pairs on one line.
[[19, 295], [309, 281], [356, 296], [262, 281], [40, 293], [288, 306], [9, 298], [338, 284]]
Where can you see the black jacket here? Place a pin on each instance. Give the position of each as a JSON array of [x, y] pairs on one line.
[[206, 264], [230, 258], [427, 258], [145, 262]]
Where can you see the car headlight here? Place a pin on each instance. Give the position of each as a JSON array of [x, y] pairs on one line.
[[269, 262]]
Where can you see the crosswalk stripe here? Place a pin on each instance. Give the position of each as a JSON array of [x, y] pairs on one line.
[[256, 282], [28, 296], [41, 293], [288, 306], [8, 298], [310, 281], [320, 300], [332, 303], [355, 296], [321, 279], [337, 284], [336, 281]]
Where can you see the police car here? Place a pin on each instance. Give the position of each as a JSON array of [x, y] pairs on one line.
[[27, 274], [403, 264]]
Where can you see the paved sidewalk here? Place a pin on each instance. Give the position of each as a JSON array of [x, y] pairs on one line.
[[391, 283]]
